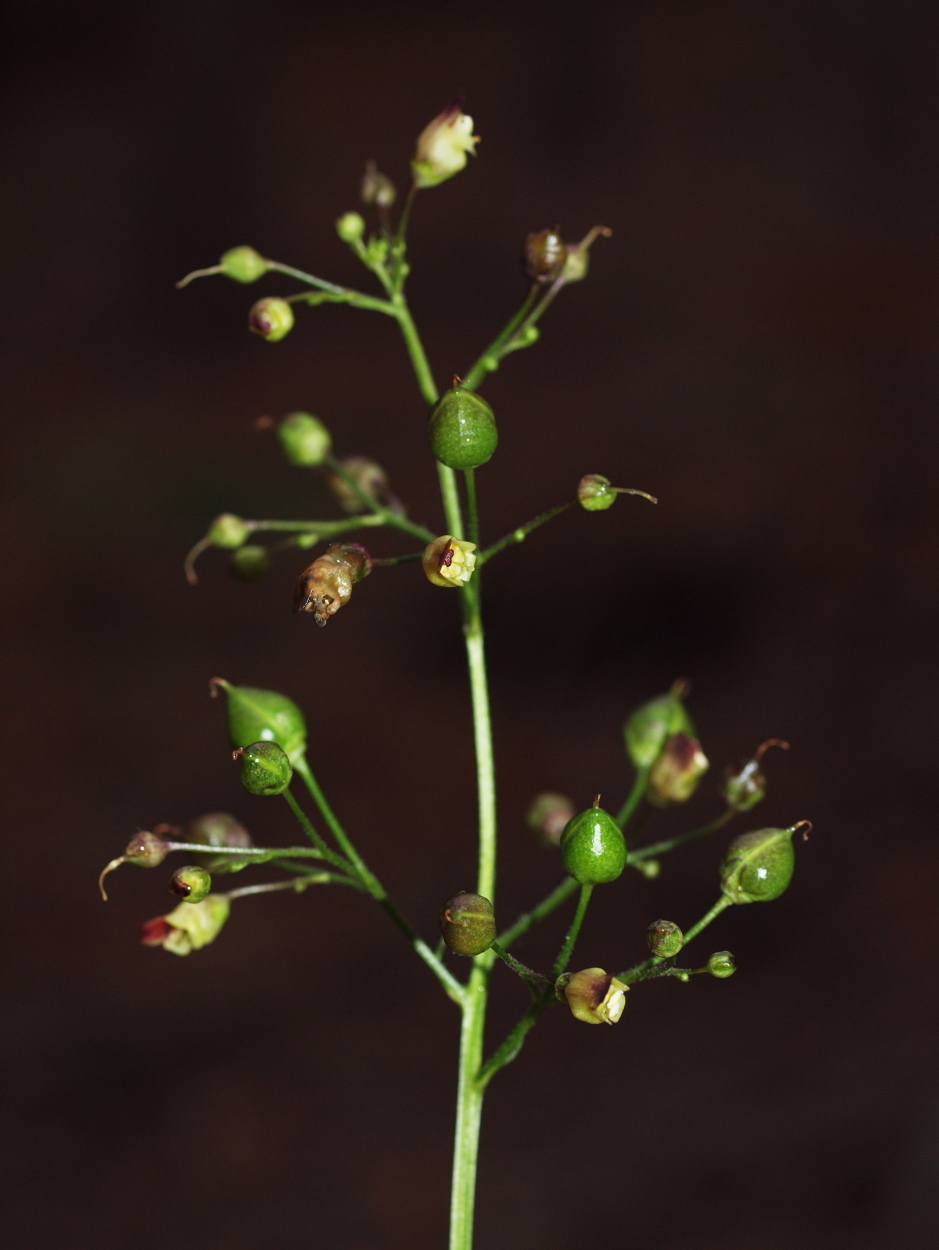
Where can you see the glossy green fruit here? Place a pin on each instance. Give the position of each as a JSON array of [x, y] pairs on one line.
[[665, 938], [758, 866], [191, 883], [263, 716], [304, 438], [593, 849], [649, 728], [243, 264], [463, 431], [265, 769]]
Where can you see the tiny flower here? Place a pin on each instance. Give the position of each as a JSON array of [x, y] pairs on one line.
[[449, 561], [442, 147], [674, 776], [271, 318], [593, 995], [189, 926]]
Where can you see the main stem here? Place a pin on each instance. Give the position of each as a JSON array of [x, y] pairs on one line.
[[469, 1099]]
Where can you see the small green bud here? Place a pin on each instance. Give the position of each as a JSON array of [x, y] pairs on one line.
[[249, 563], [271, 318], [189, 927], [593, 850], [218, 829], [665, 938], [543, 256], [350, 227], [463, 431], [376, 188], [228, 530], [593, 995], [243, 264], [191, 883], [758, 866], [675, 775], [467, 924], [262, 716], [722, 964], [304, 439], [265, 768], [595, 493], [648, 728], [745, 786], [548, 817]]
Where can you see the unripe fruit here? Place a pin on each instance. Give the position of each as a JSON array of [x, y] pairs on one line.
[[271, 318], [665, 938], [593, 850], [463, 431], [467, 924], [304, 439], [262, 716], [243, 264], [191, 883], [758, 866], [265, 768]]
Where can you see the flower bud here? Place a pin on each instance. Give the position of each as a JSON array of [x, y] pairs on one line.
[[261, 716], [758, 866], [449, 561], [595, 493], [745, 786], [350, 227], [265, 768], [578, 255], [145, 849], [674, 776], [218, 829], [722, 964], [593, 995], [648, 728], [377, 189], [369, 477], [191, 883], [249, 563], [326, 584], [463, 431], [442, 147], [304, 439], [467, 924], [228, 530], [665, 938], [272, 318], [593, 850], [548, 816], [543, 256], [189, 927], [243, 264]]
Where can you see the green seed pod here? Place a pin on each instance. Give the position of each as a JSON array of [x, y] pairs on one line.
[[304, 439], [543, 256], [350, 227], [593, 850], [548, 817], [262, 716], [467, 924], [463, 431], [243, 264], [722, 964], [595, 493], [271, 318], [593, 995], [665, 938], [649, 728], [191, 883], [675, 775], [218, 829], [758, 866], [265, 768], [249, 563], [228, 531]]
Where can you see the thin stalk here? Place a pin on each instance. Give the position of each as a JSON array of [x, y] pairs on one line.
[[316, 838], [469, 477], [567, 947], [469, 1108], [641, 971], [519, 535], [494, 351], [527, 920], [721, 905], [514, 1041], [380, 515], [660, 848], [298, 884], [309, 278], [625, 813], [536, 982]]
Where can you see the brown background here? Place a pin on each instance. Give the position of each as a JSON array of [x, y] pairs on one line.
[[755, 345]]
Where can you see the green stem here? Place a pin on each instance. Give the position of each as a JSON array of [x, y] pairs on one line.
[[354, 299], [527, 920], [640, 971], [305, 824], [298, 885], [535, 980], [625, 813], [660, 848], [494, 351], [310, 279], [381, 516], [264, 853], [469, 476], [469, 1108], [453, 987], [519, 535], [567, 948], [513, 1042]]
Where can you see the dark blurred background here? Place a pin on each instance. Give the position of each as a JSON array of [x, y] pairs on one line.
[[755, 345]]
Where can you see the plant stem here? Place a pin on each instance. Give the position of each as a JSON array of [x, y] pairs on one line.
[[567, 948], [304, 822], [469, 1107], [381, 516], [309, 278], [469, 476], [494, 351], [534, 980], [659, 848], [527, 920], [624, 815], [298, 884], [519, 535], [640, 971]]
